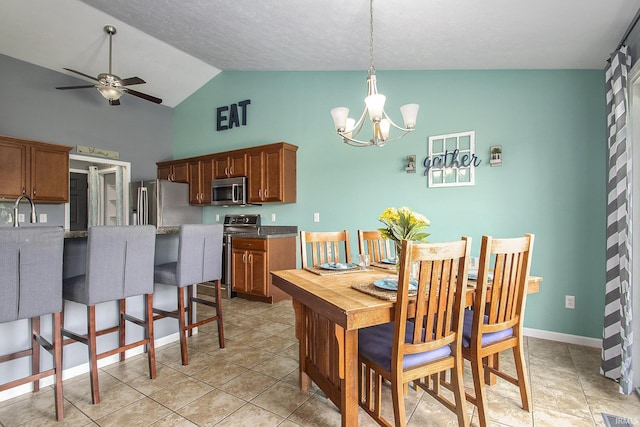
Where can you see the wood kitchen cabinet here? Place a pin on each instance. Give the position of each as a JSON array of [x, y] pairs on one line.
[[230, 165], [251, 261], [272, 173], [177, 171], [37, 169], [200, 176]]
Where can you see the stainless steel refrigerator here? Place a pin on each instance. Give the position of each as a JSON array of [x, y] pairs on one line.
[[162, 203]]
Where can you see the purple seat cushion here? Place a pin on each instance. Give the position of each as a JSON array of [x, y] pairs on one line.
[[374, 343], [486, 338]]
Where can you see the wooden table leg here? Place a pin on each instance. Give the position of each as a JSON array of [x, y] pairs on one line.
[[301, 335], [349, 386]]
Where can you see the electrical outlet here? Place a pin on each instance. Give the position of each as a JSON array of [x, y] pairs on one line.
[[43, 218], [569, 301], [316, 217], [217, 217], [20, 217], [273, 217]]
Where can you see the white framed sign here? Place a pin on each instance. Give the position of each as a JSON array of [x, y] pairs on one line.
[[452, 160]]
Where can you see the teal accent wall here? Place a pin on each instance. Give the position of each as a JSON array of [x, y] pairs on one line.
[[551, 125]]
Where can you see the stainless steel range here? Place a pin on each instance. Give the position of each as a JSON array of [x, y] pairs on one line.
[[245, 224]]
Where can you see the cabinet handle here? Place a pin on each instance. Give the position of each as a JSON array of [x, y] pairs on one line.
[[266, 193], [244, 258], [260, 193], [231, 170], [226, 171], [34, 192], [250, 258]]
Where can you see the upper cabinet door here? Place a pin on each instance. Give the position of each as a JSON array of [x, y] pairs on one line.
[[228, 166], [49, 175], [37, 169], [13, 169]]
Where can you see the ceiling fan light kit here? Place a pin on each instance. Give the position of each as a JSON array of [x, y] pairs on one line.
[[110, 86], [349, 129]]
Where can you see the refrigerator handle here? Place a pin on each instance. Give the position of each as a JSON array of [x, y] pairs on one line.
[[143, 206]]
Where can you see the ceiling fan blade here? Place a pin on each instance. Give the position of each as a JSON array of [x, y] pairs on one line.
[[114, 102], [82, 74], [144, 96], [75, 87], [132, 81]]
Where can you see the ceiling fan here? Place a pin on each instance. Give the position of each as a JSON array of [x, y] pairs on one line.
[[110, 86]]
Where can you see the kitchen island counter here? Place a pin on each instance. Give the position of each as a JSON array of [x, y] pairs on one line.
[[75, 234]]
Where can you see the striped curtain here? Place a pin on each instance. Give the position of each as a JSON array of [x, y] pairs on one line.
[[617, 336]]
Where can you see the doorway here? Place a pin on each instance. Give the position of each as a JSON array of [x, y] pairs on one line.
[[108, 201], [78, 207]]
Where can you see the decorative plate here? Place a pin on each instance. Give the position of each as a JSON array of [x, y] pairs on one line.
[[338, 266], [391, 284]]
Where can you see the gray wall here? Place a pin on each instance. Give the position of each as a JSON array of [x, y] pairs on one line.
[[32, 108]]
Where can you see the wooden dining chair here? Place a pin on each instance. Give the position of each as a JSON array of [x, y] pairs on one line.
[[399, 352], [496, 321], [371, 242], [326, 246]]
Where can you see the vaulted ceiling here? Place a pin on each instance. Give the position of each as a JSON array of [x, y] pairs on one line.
[[177, 46]]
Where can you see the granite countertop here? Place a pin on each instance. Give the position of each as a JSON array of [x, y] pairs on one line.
[[266, 232], [68, 234], [271, 232]]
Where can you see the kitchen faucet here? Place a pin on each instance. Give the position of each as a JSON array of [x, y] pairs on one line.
[[15, 210]]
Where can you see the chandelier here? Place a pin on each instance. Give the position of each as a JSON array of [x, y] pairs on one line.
[[349, 129]]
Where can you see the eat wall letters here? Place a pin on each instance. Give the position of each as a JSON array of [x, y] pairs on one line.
[[233, 115]]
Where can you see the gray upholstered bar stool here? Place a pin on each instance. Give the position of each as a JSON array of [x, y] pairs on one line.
[[119, 265], [30, 287], [199, 260]]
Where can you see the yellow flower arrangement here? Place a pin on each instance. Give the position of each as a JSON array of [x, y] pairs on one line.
[[403, 224]]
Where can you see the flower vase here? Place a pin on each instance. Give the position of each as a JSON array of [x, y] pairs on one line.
[[398, 253]]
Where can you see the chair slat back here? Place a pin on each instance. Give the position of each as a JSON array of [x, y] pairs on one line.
[[502, 299], [440, 296], [371, 242], [326, 246]]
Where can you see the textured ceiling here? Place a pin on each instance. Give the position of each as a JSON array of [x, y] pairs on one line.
[[176, 46]]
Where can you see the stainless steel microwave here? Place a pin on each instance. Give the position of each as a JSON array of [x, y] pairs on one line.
[[229, 191]]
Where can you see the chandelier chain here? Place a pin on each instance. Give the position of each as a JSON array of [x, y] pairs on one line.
[[372, 69]]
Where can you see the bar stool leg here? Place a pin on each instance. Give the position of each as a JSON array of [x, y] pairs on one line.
[[57, 361], [190, 311], [93, 354], [122, 326], [181, 327], [219, 314], [35, 351], [150, 335]]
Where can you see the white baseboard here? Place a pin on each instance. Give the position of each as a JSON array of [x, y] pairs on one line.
[[74, 371], [566, 338]]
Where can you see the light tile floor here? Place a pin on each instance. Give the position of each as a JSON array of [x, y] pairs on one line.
[[253, 382]]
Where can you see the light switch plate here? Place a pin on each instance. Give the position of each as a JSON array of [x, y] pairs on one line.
[[43, 218], [316, 217]]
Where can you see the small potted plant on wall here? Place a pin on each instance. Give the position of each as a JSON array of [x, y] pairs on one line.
[[496, 156]]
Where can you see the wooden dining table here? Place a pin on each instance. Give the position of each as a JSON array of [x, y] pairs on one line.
[[328, 313]]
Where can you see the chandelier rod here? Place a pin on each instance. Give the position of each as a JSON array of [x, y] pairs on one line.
[[372, 69]]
